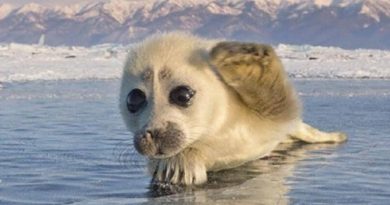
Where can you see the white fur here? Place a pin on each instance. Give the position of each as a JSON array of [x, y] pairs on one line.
[[220, 131]]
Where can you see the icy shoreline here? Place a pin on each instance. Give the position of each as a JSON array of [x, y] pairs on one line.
[[21, 63]]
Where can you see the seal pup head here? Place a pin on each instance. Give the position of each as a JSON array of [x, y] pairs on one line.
[[169, 96]]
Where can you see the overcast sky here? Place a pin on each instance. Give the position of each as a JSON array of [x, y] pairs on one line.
[[46, 2]]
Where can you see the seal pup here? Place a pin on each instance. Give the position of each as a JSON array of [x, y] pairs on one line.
[[196, 105]]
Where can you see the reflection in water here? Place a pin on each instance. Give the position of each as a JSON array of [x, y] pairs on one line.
[[259, 182]]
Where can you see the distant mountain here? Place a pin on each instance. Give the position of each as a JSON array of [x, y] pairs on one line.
[[342, 23]]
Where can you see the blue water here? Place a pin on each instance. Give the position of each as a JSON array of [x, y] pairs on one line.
[[63, 142]]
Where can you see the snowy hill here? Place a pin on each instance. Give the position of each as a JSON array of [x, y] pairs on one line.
[[31, 62], [342, 23]]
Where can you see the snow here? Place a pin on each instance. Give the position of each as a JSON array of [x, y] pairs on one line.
[[367, 11], [5, 9], [376, 9], [121, 10], [269, 6], [345, 3], [20, 63], [31, 8], [68, 11], [331, 62], [216, 8], [118, 9], [321, 3], [31, 62]]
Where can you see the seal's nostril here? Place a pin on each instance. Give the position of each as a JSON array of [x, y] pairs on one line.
[[148, 136]]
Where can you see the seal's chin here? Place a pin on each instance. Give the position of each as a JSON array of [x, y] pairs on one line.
[[163, 156]]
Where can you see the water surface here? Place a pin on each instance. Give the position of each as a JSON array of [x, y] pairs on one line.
[[63, 142]]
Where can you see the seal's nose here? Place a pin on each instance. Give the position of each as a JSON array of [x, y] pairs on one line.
[[145, 144], [161, 141], [153, 134], [148, 136]]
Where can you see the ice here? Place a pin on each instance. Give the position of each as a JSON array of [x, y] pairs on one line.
[[64, 142], [31, 62], [330, 62], [20, 63]]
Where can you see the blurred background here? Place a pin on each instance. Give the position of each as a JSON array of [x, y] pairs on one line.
[[348, 24]]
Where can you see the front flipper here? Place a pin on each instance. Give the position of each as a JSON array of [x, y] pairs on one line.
[[255, 72], [185, 168]]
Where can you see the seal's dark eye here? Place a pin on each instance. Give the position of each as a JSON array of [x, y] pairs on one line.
[[136, 100], [181, 95]]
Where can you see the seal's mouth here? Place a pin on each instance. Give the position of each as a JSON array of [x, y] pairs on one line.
[[161, 142]]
